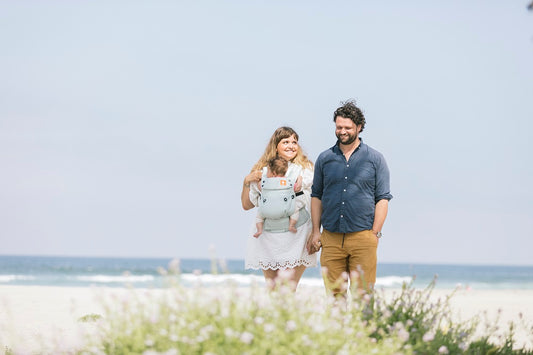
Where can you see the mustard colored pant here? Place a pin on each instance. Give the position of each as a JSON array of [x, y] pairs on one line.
[[347, 252]]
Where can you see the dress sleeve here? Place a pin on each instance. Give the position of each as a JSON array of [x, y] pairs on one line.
[[307, 180], [254, 193]]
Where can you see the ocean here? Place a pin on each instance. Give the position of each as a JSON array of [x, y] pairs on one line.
[[149, 272]]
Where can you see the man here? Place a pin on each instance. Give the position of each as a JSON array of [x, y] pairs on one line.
[[349, 199]]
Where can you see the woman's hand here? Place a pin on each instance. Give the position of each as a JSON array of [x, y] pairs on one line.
[[298, 184], [313, 243], [252, 178]]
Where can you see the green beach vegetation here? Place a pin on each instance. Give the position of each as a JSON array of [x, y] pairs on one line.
[[235, 320]]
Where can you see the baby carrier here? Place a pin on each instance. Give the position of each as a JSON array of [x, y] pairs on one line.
[[277, 202]]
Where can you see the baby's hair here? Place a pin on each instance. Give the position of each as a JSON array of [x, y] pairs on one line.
[[278, 166]]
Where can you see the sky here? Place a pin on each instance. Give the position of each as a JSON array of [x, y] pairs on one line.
[[126, 128]]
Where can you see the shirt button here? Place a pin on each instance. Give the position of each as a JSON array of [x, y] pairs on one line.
[[347, 165], [344, 190], [342, 216], [346, 177], [342, 202]]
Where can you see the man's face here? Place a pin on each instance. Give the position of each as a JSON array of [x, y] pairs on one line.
[[346, 130]]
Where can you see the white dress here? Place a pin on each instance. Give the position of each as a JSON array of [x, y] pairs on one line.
[[281, 250]]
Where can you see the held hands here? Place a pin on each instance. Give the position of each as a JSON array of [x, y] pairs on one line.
[[313, 243]]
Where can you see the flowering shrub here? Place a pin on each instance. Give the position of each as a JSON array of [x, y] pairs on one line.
[[232, 320]]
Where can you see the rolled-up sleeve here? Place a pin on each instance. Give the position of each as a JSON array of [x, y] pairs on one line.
[[382, 191]]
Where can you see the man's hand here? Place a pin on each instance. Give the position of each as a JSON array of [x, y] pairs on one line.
[[313, 243]]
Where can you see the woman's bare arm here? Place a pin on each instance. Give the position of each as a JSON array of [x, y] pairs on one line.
[[251, 178]]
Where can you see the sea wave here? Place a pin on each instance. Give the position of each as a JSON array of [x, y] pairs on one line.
[[9, 278], [115, 278], [392, 281]]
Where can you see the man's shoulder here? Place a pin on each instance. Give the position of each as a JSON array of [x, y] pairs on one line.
[[330, 150], [373, 153]]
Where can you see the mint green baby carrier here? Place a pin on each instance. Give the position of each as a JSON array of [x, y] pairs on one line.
[[277, 202]]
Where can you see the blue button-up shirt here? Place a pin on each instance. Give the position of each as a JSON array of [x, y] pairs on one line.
[[349, 190]]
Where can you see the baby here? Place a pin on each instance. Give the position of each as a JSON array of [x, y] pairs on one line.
[[277, 167]]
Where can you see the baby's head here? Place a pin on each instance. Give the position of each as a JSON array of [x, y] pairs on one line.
[[277, 167]]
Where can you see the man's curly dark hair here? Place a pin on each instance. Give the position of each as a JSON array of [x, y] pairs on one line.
[[349, 110]]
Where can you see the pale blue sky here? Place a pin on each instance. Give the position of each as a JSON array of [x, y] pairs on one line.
[[126, 128]]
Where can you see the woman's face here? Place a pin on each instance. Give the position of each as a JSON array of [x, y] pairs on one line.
[[288, 148]]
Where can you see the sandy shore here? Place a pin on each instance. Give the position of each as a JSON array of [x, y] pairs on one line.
[[39, 318]]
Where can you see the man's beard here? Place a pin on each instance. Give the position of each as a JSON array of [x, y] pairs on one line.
[[350, 140]]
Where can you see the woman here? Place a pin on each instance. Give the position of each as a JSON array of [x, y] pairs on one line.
[[270, 251]]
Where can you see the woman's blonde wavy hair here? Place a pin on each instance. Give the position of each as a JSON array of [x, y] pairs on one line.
[[271, 150]]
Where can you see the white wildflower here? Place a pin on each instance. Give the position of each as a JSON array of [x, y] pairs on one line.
[[290, 326], [443, 350], [318, 327], [161, 271], [174, 266], [429, 336], [246, 337], [306, 340], [269, 327], [403, 335]]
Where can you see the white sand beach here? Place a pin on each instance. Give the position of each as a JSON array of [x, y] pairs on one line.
[[36, 318]]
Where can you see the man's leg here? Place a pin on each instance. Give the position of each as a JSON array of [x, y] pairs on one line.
[[362, 247], [334, 259]]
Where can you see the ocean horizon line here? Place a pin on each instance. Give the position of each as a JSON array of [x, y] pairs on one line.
[[87, 270]]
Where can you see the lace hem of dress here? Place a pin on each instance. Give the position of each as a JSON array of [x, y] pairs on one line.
[[276, 265]]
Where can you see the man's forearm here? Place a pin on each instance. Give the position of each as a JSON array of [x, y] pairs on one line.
[[380, 214], [316, 213]]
